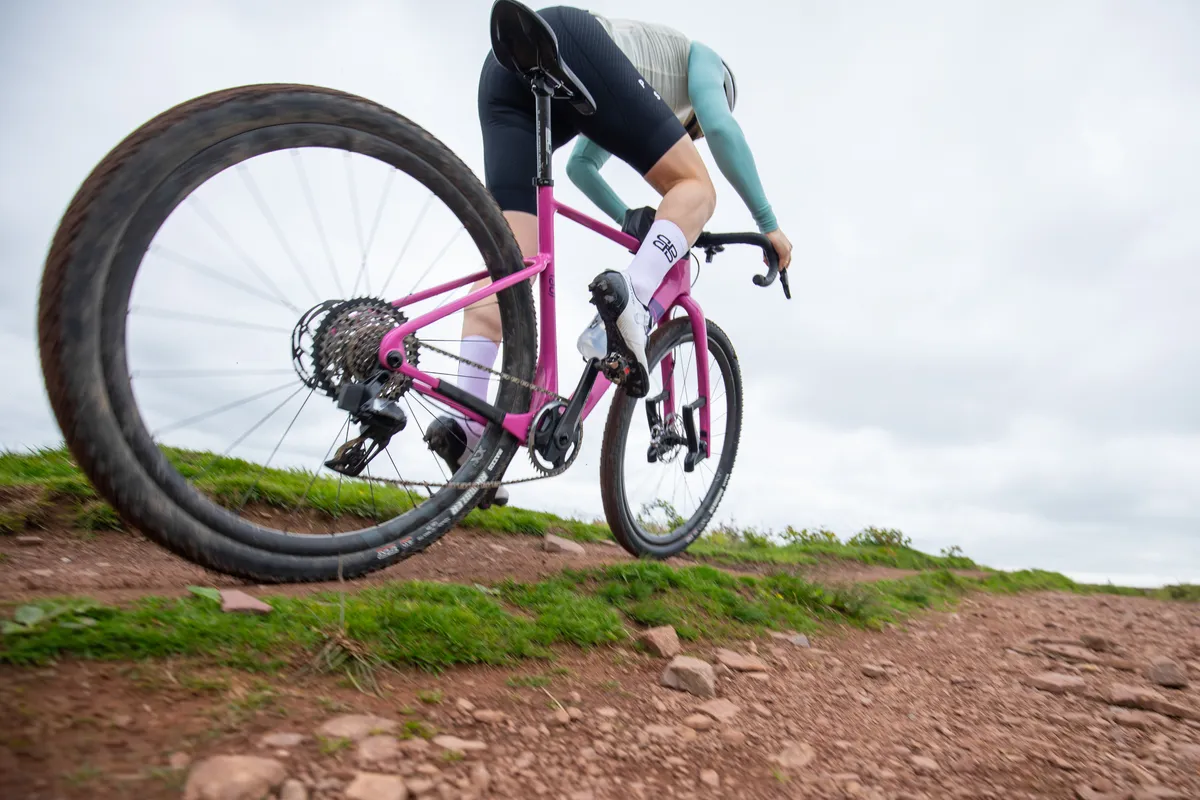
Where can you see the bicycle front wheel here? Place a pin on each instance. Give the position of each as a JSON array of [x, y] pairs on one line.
[[654, 506], [208, 495]]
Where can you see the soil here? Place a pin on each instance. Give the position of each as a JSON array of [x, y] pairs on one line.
[[115, 566], [940, 707], [951, 717]]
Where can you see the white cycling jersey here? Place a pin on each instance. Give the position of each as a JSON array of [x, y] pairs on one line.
[[660, 54]]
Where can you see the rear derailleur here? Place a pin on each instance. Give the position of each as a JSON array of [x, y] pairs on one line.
[[378, 417]]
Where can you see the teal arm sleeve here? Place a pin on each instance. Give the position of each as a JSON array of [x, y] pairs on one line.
[[706, 89], [583, 168]]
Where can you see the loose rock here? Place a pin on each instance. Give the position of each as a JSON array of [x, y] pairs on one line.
[[356, 727], [557, 544], [377, 749], [923, 764], [795, 755], [375, 786], [690, 675], [720, 709], [1166, 672], [661, 641], [234, 601], [293, 790], [457, 744], [1055, 682], [740, 662], [233, 778], [281, 739], [700, 722], [873, 671], [489, 717], [709, 777]]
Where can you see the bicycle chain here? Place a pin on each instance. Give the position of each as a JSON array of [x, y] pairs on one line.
[[413, 341]]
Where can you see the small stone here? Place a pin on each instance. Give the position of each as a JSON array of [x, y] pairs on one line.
[[1099, 644], [463, 704], [122, 721], [731, 736], [795, 755], [761, 677], [1055, 682], [235, 601], [557, 544], [709, 777], [293, 790], [481, 779], [489, 717], [42, 573], [661, 641], [720, 709], [377, 749], [233, 778], [459, 745], [29, 541], [700, 722], [873, 671], [1166, 672], [798, 639], [356, 727], [691, 675], [375, 786], [1139, 720], [281, 739], [740, 662], [179, 761], [923, 764], [608, 712], [1148, 700], [560, 717], [419, 786], [574, 713]]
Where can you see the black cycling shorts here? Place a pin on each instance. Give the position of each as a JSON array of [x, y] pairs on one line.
[[630, 121]]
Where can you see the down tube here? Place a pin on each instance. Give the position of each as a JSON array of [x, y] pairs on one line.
[[700, 337]]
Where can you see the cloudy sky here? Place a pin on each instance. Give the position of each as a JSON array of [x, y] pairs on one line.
[[992, 341]]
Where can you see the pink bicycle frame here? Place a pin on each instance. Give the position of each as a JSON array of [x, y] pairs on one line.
[[674, 291]]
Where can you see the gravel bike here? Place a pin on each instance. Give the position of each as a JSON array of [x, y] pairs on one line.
[[364, 353]]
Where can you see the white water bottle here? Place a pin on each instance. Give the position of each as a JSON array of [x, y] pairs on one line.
[[593, 342]]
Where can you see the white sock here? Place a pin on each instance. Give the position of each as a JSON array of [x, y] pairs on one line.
[[663, 246], [481, 350]]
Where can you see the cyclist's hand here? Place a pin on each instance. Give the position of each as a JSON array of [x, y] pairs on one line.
[[783, 248]]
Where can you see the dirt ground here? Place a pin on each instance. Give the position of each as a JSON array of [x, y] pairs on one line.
[[941, 707], [112, 566], [950, 717]]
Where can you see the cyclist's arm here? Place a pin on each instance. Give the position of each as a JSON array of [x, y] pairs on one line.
[[583, 168], [706, 88]]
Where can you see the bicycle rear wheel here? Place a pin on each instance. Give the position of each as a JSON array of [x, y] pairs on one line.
[[84, 306], [644, 521]]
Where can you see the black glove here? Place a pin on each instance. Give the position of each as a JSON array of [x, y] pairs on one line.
[[637, 222]]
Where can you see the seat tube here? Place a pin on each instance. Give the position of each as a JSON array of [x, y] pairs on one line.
[[547, 371]]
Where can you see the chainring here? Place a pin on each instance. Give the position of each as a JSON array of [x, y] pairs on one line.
[[545, 417]]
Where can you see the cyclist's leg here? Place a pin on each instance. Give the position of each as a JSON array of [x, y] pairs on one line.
[[634, 123], [508, 124]]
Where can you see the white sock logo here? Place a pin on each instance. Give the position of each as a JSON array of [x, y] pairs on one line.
[[663, 243]]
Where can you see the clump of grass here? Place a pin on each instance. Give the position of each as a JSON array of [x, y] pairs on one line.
[[97, 515], [430, 696]]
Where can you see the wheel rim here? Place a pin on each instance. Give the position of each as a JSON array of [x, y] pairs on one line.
[[142, 232]]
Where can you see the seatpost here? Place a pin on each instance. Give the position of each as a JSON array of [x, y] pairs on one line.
[[543, 90]]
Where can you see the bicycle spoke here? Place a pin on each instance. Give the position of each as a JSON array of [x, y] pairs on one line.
[[421, 428], [407, 241], [365, 273], [166, 313], [220, 409], [433, 263], [196, 266], [246, 259], [266, 212], [312, 207], [407, 489], [316, 472], [270, 458]]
